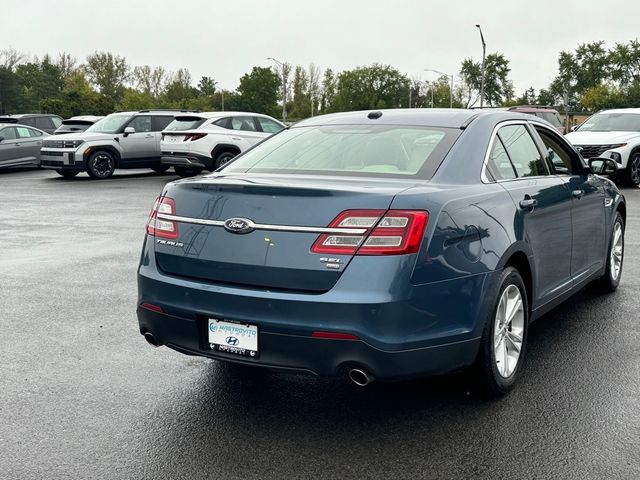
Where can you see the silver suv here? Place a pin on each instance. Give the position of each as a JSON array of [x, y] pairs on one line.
[[120, 140]]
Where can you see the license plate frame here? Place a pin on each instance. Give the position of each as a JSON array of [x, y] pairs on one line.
[[235, 338]]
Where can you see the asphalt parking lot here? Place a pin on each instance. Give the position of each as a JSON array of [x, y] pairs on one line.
[[83, 396]]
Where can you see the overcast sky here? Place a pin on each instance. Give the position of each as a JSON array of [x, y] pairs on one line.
[[224, 39]]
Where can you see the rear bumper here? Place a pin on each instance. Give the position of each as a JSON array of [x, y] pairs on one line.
[[405, 332], [298, 353], [186, 160]]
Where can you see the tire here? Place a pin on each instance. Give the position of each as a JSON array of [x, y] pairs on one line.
[[223, 158], [67, 173], [503, 344], [615, 258], [632, 173], [186, 172], [101, 165], [161, 168]]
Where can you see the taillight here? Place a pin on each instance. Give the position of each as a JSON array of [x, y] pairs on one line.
[[375, 232], [161, 227], [193, 137]]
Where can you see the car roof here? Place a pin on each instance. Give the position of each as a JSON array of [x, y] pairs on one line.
[[531, 109], [28, 115], [221, 114], [428, 117]]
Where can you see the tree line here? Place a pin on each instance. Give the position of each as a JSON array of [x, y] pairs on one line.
[[591, 77]]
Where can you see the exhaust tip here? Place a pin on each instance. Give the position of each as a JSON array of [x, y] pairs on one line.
[[360, 377], [151, 340]]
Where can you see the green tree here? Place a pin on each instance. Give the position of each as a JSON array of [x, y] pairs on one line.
[[108, 73], [8, 90], [578, 71], [376, 86], [300, 105], [150, 80], [257, 92], [328, 91], [498, 89], [207, 86], [38, 81]]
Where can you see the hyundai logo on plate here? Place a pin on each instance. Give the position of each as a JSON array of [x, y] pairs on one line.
[[233, 341], [239, 225]]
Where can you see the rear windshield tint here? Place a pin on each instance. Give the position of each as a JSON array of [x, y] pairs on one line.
[[351, 150], [551, 117], [77, 122], [185, 123]]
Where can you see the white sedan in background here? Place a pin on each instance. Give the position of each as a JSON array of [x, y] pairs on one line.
[[194, 142]]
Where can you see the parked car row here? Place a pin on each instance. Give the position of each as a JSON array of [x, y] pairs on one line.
[[157, 139]]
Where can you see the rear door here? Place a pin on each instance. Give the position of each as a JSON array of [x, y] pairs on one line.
[[544, 207], [588, 213], [246, 131]]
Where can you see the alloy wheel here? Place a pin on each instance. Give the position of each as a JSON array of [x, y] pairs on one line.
[[102, 165], [617, 251], [508, 331], [635, 169]]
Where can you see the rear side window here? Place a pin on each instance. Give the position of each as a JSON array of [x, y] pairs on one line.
[[23, 132], [351, 150], [522, 150], [499, 165], [159, 123], [243, 123], [31, 121], [35, 133], [42, 123], [223, 122], [56, 121], [269, 126]]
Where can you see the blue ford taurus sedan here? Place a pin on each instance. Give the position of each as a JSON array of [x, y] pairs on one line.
[[388, 244]]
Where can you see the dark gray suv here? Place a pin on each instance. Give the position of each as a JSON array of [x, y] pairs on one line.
[[43, 121]]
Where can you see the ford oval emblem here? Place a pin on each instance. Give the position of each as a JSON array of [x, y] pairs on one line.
[[239, 225]]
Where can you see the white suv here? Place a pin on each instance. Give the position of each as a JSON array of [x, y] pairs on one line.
[[614, 134], [205, 141]]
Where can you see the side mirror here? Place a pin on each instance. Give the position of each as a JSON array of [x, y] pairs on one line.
[[573, 129], [1, 139], [129, 130], [602, 166]]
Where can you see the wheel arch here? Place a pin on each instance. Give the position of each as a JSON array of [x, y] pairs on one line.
[[224, 147], [106, 148], [518, 258]]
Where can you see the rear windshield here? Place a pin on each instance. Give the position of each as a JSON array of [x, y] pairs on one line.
[[357, 150], [185, 123], [77, 122], [551, 117]]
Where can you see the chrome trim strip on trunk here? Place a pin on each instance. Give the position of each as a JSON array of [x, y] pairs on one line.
[[260, 226]]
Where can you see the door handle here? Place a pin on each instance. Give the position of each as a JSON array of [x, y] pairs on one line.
[[528, 203], [577, 194], [149, 136]]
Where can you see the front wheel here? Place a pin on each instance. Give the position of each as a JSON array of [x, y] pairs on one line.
[[615, 256], [504, 338], [633, 170], [101, 165]]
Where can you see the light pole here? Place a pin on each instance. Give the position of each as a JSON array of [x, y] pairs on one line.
[[450, 86], [484, 54], [284, 88]]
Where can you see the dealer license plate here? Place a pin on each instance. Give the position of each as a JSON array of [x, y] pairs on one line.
[[231, 337]]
